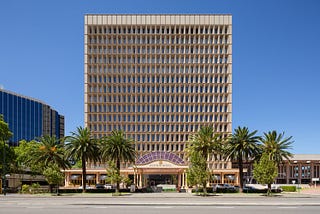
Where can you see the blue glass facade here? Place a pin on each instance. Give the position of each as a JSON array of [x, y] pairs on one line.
[[27, 117]]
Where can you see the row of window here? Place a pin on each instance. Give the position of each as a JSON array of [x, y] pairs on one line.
[[154, 128], [133, 29], [216, 49], [169, 69], [294, 170], [157, 89], [159, 147], [163, 79], [157, 60], [161, 99], [158, 108], [158, 118], [158, 40]]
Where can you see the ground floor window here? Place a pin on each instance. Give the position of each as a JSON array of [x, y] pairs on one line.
[[76, 179]]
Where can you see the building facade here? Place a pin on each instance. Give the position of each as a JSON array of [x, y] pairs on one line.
[[301, 169], [159, 78], [29, 118]]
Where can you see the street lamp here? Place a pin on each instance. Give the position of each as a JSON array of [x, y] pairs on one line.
[[4, 167], [4, 180]]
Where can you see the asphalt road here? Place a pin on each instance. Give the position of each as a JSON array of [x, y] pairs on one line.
[[121, 209], [161, 205]]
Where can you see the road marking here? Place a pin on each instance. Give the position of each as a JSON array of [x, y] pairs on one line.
[[287, 207], [100, 207], [35, 207], [163, 207], [224, 207]]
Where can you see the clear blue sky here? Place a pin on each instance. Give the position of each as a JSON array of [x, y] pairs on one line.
[[276, 57]]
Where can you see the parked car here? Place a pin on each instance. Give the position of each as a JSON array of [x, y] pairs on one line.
[[255, 188], [223, 188], [276, 189], [108, 186], [260, 189], [100, 186], [87, 187]]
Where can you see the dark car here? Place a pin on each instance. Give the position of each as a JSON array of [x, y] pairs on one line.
[[100, 186], [252, 189], [223, 188]]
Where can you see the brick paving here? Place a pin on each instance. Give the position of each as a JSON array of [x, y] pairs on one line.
[[312, 190]]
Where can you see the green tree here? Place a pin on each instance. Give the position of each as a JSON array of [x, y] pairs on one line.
[[82, 146], [242, 146], [277, 146], [5, 132], [118, 148], [41, 156], [113, 176], [198, 174], [53, 176], [9, 157], [5, 135], [265, 171], [24, 158], [201, 145]]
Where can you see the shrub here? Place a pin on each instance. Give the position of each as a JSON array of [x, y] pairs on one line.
[[170, 190], [91, 190], [25, 188], [289, 188]]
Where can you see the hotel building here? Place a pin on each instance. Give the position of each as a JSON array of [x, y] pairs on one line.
[[29, 118], [159, 78]]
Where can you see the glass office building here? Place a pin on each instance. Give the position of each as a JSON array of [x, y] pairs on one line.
[[29, 118]]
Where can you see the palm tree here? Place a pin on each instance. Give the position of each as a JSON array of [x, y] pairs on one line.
[[50, 151], [202, 144], [82, 146], [276, 146], [205, 141], [242, 145], [48, 154], [118, 148]]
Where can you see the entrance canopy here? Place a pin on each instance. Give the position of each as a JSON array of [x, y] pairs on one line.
[[160, 156]]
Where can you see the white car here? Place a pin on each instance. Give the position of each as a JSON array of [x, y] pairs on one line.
[[108, 186]]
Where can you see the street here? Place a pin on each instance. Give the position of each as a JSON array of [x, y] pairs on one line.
[[149, 204], [120, 209]]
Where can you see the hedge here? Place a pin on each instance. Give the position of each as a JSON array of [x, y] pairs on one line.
[[289, 188]]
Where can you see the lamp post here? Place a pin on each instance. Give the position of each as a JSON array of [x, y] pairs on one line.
[[4, 180]]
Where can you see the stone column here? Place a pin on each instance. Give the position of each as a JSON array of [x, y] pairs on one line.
[[179, 180], [311, 172], [66, 179], [299, 173], [140, 180], [186, 184], [98, 177], [287, 172], [183, 180]]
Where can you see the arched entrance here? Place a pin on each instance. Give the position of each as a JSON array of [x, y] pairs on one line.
[[160, 168]]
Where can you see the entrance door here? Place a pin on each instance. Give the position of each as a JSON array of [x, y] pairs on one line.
[[154, 180]]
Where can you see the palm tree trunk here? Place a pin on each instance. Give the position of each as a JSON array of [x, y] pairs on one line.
[[84, 174], [118, 172], [240, 172]]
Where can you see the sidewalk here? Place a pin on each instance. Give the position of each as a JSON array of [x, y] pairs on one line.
[[311, 191], [302, 194]]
